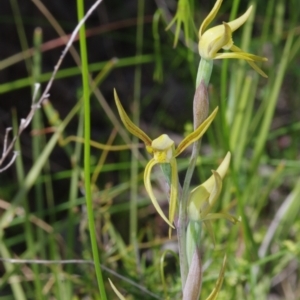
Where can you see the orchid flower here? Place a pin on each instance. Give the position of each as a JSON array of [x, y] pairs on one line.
[[203, 198], [164, 152], [220, 37]]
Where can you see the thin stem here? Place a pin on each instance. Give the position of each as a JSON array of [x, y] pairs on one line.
[[87, 134], [181, 229], [135, 152], [38, 143], [204, 73]]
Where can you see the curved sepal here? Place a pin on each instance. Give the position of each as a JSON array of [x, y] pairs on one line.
[[221, 170], [210, 17], [197, 200], [148, 186], [237, 23], [130, 126], [197, 134]]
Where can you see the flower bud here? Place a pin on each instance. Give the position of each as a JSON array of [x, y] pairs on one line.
[[200, 105], [192, 287]]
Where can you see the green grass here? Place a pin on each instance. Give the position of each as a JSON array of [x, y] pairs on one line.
[[73, 201]]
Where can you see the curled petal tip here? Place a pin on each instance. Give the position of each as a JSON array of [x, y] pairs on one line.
[[237, 23]]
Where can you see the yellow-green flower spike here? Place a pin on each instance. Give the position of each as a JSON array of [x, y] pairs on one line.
[[130, 126], [220, 37]]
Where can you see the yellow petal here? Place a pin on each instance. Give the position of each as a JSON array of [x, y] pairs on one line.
[[197, 134], [130, 126], [257, 69], [173, 193], [147, 182], [215, 39], [163, 149], [203, 197], [244, 56], [235, 24], [198, 201], [235, 55], [163, 142], [214, 294], [214, 195], [227, 37], [222, 170], [252, 56], [210, 17]]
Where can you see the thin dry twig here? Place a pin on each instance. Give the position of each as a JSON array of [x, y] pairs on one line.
[[37, 104]]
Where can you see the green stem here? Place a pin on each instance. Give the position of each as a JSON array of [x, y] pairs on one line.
[[204, 73], [134, 169], [37, 145], [87, 150], [193, 238], [182, 220]]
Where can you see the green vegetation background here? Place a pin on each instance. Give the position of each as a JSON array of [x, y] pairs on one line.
[[43, 213]]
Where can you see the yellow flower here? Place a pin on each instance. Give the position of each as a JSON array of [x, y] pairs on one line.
[[164, 152], [203, 198], [220, 37]]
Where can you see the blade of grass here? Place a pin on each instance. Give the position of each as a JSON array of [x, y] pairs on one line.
[[135, 152], [68, 72], [73, 195], [271, 99], [87, 162], [21, 31], [223, 88], [37, 144], [34, 172], [16, 286], [283, 219]]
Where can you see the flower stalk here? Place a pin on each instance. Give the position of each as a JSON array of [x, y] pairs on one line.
[[194, 208]]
